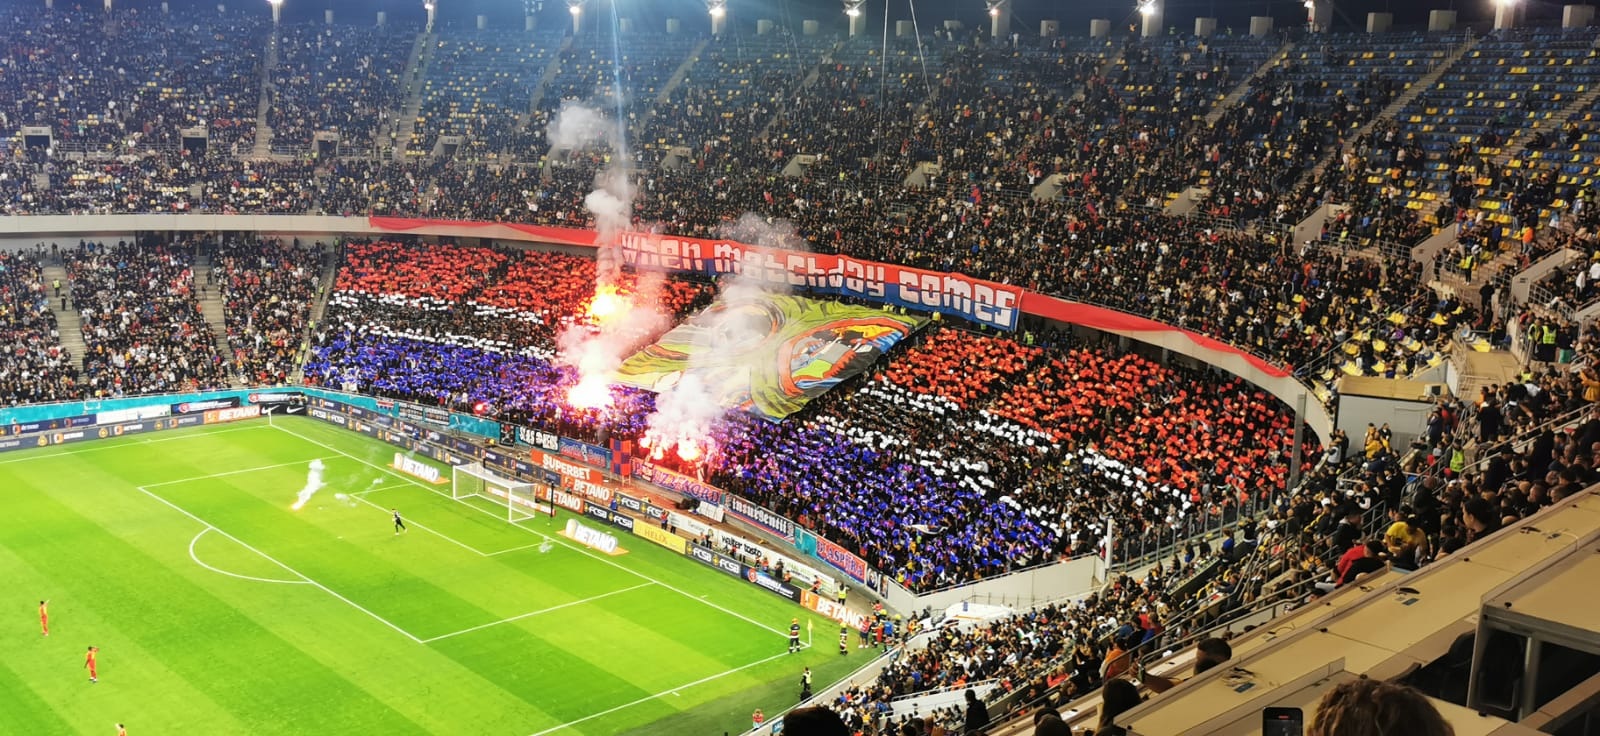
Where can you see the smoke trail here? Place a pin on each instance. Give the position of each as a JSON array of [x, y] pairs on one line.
[[596, 348], [313, 484]]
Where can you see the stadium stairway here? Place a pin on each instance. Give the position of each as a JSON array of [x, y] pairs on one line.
[[678, 75], [526, 118], [406, 125], [330, 269], [1519, 139], [1243, 88], [1428, 81], [211, 306], [805, 84], [68, 323], [263, 146]]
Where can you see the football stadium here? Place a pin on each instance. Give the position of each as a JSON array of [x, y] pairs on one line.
[[803, 367]]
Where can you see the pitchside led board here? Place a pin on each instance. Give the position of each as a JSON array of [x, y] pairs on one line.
[[768, 354]]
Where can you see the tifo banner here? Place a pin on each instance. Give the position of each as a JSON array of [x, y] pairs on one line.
[[538, 438], [429, 414], [986, 302], [771, 354]]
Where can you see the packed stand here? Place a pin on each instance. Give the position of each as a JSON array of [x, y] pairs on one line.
[[34, 367], [141, 321], [339, 78], [267, 290], [475, 329], [133, 82], [731, 92], [1073, 436]]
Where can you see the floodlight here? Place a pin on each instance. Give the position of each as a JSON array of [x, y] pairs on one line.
[[1148, 7]]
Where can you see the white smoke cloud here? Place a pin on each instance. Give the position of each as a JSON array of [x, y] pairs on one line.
[[596, 350], [767, 232], [577, 125], [313, 484], [689, 410]]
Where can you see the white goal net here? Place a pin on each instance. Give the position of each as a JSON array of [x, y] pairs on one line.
[[521, 500]]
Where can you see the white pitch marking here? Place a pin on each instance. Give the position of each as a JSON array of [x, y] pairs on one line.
[[517, 549], [220, 571], [663, 693], [228, 473], [561, 541], [440, 535], [275, 561], [99, 446], [568, 604]]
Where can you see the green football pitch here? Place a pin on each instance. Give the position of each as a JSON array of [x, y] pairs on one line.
[[218, 609]]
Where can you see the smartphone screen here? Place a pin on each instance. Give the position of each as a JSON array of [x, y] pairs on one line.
[[1282, 722]]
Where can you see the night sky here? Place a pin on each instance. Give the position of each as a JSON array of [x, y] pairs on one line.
[[651, 14]]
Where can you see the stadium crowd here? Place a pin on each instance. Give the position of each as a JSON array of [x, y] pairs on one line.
[[267, 289], [34, 367], [141, 319], [1073, 433]]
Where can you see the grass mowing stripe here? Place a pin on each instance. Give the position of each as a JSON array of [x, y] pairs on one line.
[[539, 612], [710, 641], [425, 584], [663, 693], [286, 568], [21, 709], [214, 660]]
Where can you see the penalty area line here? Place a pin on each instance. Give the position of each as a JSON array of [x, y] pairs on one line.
[[561, 541], [225, 474], [441, 535], [517, 549], [529, 614], [657, 696]]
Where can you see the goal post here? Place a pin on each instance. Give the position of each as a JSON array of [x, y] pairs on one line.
[[520, 499]]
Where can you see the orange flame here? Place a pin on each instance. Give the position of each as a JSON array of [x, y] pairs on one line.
[[591, 392], [689, 450], [608, 302]]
